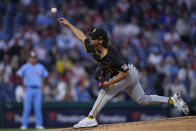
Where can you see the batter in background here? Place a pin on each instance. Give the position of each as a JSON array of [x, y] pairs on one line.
[[114, 74], [33, 75]]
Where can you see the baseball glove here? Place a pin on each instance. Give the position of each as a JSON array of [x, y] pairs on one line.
[[101, 75]]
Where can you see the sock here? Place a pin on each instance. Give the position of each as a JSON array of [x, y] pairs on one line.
[[90, 117], [170, 101]]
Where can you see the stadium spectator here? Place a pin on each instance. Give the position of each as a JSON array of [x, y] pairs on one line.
[[82, 92], [155, 57], [20, 93], [5, 70], [178, 87]]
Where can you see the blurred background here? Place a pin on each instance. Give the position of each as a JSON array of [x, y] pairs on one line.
[[158, 36]]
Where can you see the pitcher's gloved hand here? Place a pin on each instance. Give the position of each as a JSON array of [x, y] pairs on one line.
[[101, 75]]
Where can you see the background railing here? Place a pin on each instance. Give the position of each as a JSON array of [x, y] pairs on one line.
[[66, 114]]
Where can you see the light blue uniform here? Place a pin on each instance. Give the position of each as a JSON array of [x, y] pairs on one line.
[[32, 78]]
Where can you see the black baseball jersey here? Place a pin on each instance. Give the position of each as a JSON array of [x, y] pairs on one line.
[[113, 61]]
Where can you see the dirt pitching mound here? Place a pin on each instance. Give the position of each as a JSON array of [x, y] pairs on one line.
[[171, 124]]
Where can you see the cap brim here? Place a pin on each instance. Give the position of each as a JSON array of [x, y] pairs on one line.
[[94, 36]]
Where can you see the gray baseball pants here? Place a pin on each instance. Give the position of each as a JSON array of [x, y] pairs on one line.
[[133, 89]]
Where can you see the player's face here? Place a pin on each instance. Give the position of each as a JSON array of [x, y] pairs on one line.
[[33, 60], [95, 42]]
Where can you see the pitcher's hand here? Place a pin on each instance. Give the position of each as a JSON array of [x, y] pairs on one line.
[[63, 21], [106, 84]]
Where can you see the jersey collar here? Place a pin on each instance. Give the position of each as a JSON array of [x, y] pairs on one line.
[[103, 55]]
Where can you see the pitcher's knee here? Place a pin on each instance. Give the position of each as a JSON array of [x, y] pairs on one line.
[[109, 97], [141, 101]]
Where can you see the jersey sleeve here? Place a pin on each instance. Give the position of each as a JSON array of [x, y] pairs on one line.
[[87, 47], [122, 67], [44, 72], [121, 63], [21, 71]]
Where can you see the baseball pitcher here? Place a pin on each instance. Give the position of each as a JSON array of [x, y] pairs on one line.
[[114, 74]]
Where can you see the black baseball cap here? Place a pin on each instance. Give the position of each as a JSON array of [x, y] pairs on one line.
[[98, 34]]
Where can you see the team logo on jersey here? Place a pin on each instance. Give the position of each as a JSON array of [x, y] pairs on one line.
[[124, 67], [38, 72]]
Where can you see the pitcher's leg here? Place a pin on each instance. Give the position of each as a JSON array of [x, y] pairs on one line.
[[139, 96], [136, 92], [107, 94], [100, 102]]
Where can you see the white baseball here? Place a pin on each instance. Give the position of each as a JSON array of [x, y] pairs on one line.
[[53, 10]]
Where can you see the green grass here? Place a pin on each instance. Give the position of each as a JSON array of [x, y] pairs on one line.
[[17, 129]]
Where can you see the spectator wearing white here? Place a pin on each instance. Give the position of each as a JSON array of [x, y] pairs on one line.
[[132, 29], [155, 57], [5, 70], [123, 5], [3, 45], [183, 25], [177, 87], [41, 52], [20, 93], [31, 34], [118, 31], [61, 91], [171, 37], [183, 72]]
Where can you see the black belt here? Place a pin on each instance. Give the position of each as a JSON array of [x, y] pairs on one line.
[[33, 87]]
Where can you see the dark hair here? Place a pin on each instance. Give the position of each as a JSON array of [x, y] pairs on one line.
[[105, 42], [100, 34]]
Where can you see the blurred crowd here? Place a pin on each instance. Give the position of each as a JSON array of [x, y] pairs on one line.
[[158, 36]]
